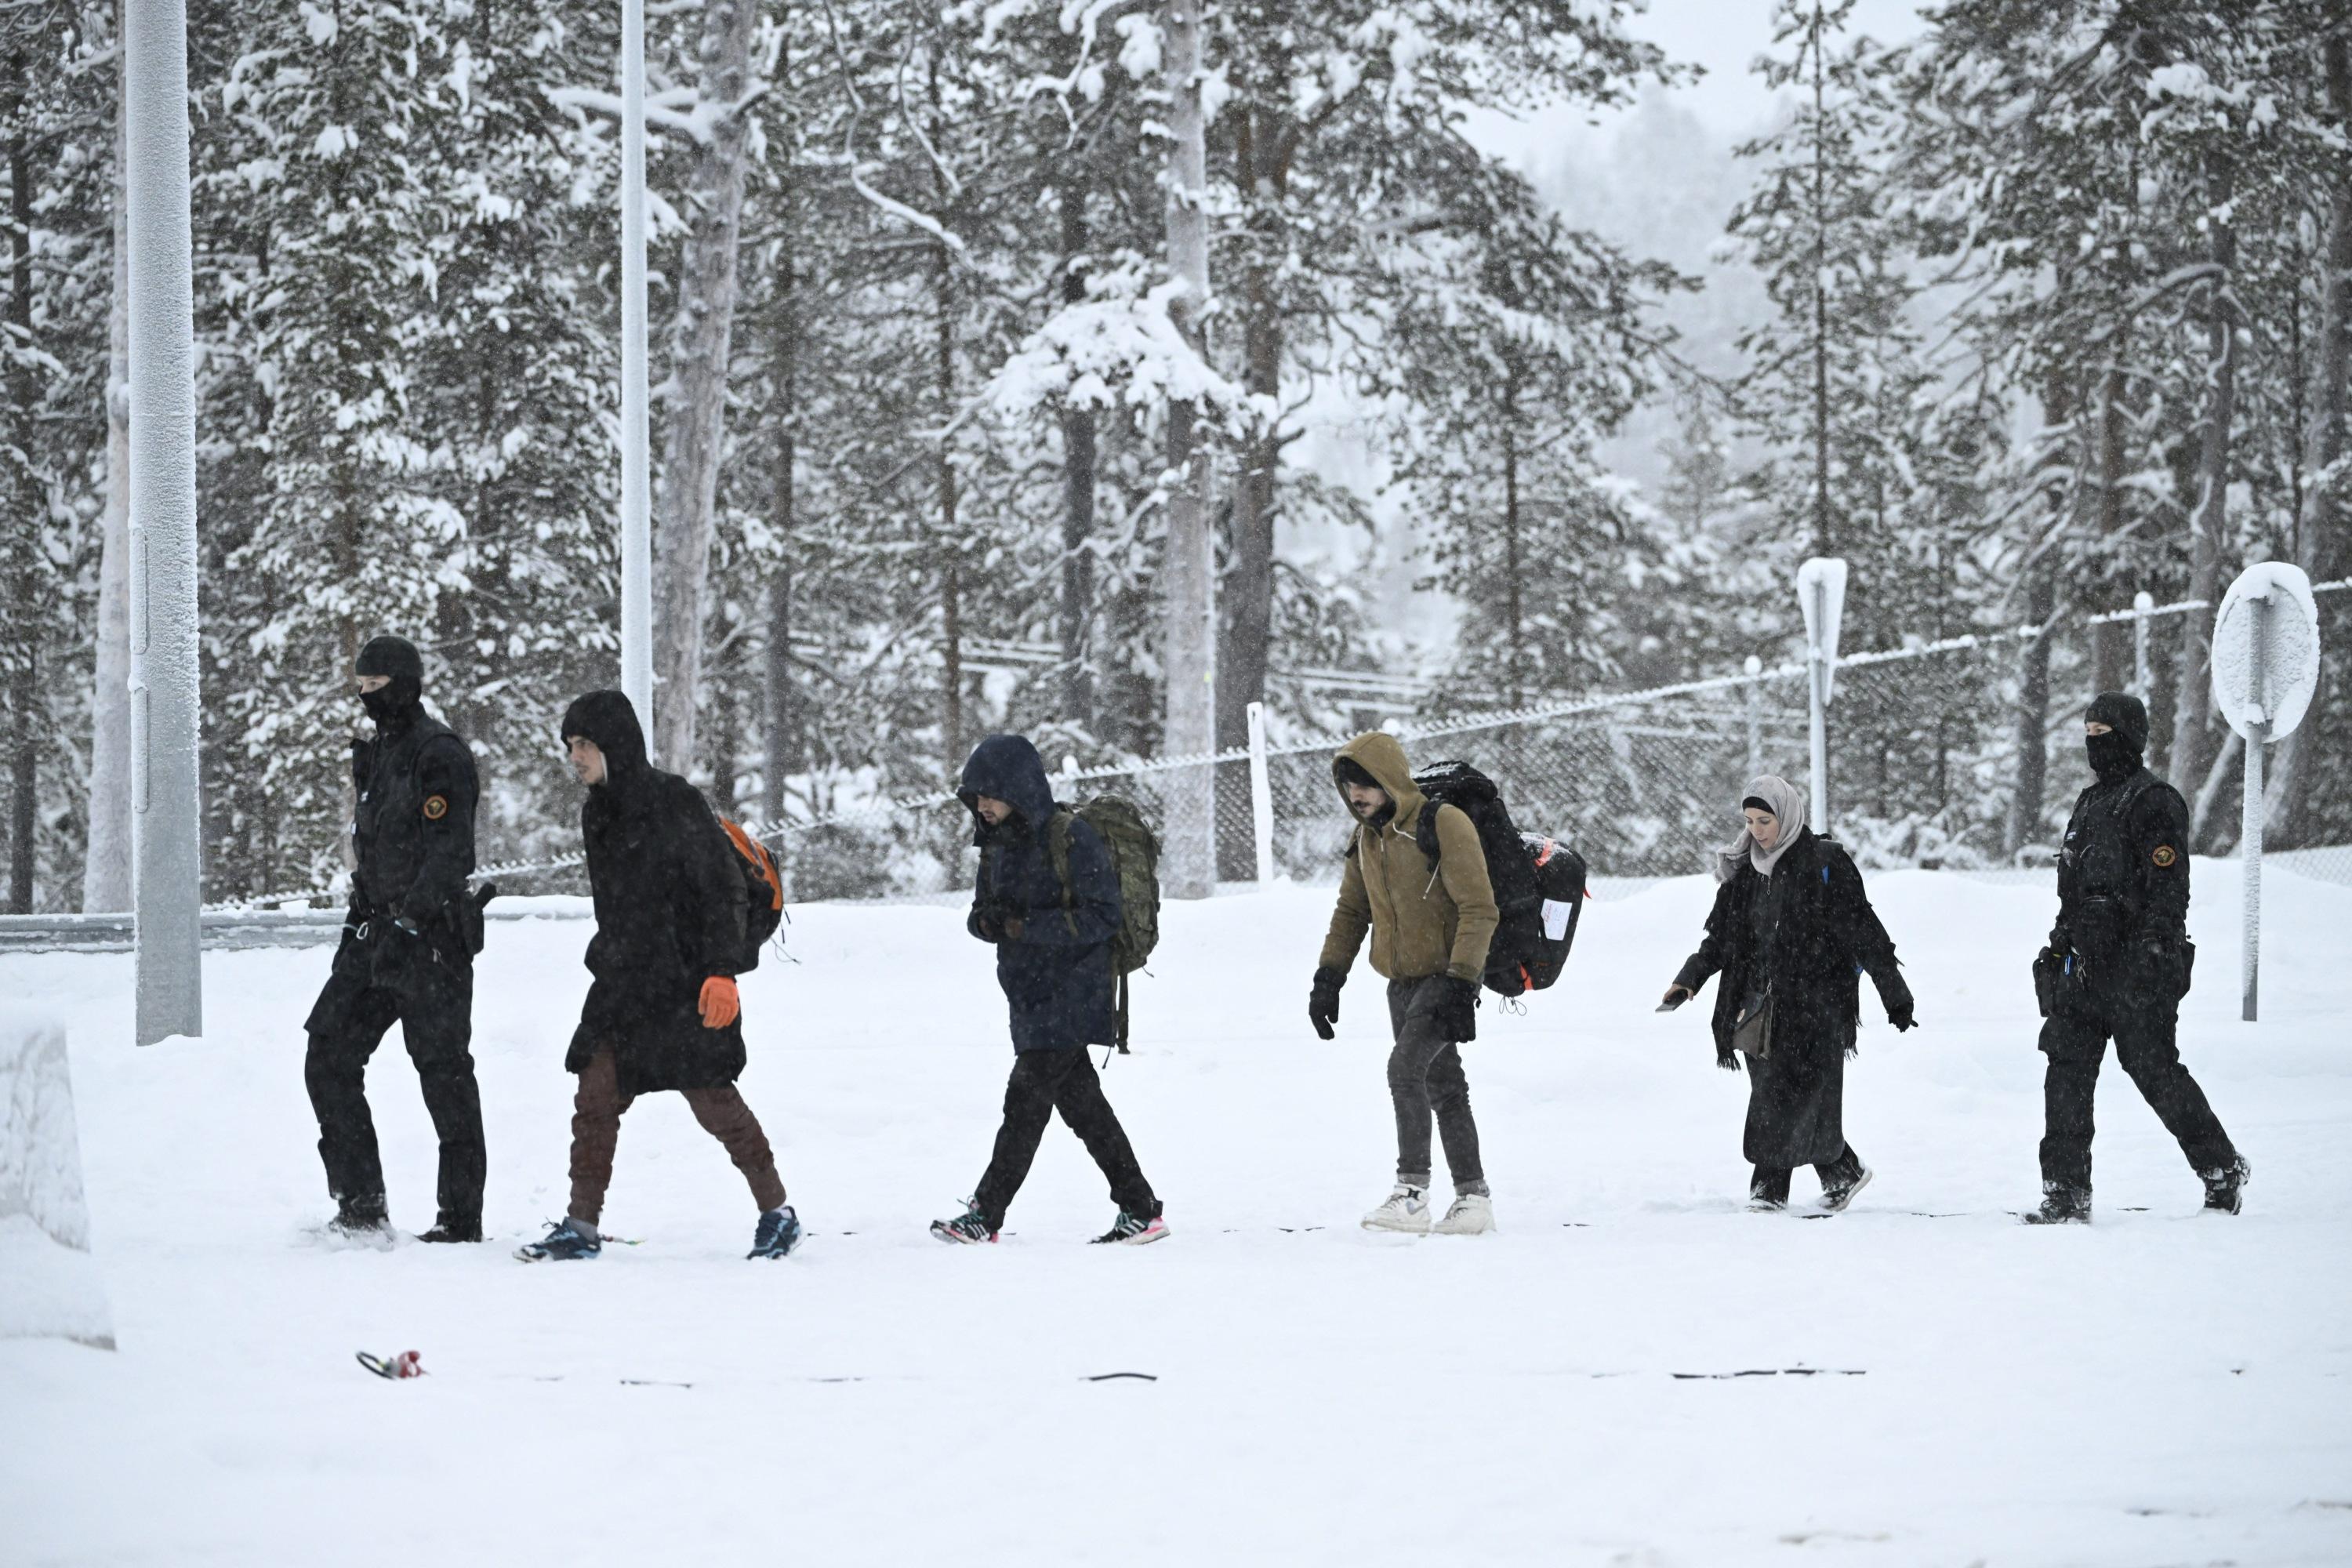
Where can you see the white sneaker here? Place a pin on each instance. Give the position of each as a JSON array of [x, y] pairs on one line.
[[1407, 1210], [1473, 1213]]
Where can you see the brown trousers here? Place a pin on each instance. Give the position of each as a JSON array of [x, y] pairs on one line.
[[596, 1131]]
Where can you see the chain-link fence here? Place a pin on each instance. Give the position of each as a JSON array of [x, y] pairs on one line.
[[1963, 754]]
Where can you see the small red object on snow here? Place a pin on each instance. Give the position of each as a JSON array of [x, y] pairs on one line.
[[408, 1364]]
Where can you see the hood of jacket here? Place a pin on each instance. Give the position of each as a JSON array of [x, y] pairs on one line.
[[607, 719], [1008, 768], [1380, 754]]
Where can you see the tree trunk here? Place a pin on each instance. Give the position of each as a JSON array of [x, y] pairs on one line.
[[2323, 553], [1265, 141], [1079, 460], [1190, 866], [2025, 806], [2109, 663], [106, 869], [695, 441], [25, 671], [782, 744], [2192, 705], [1514, 611]]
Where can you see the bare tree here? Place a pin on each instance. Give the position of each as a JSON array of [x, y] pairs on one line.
[[1190, 864], [707, 286]]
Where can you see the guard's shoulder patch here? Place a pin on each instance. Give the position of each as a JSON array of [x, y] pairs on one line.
[[436, 806], [2165, 856]]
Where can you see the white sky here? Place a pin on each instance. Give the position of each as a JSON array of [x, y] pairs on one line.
[[1724, 36]]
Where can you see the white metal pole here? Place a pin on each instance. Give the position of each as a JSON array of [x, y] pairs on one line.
[[2250, 833], [167, 837], [636, 483], [1261, 795], [2143, 687], [1818, 665]]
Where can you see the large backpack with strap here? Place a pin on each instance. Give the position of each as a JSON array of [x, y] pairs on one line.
[[763, 891], [1538, 880], [1135, 860]]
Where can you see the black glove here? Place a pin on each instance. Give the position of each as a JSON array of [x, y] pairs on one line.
[[1727, 1060], [1896, 995], [1456, 1015], [988, 920], [399, 949], [1323, 1002]]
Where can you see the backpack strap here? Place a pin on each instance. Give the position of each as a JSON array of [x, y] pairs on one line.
[[1057, 851]]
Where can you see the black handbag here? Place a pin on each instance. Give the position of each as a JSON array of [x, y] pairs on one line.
[[1751, 1032]]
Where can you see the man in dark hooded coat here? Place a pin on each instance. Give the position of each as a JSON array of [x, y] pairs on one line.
[[1053, 959], [662, 1011], [2117, 966], [407, 953]]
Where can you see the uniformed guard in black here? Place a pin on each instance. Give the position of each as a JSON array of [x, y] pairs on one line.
[[407, 952], [2118, 965]]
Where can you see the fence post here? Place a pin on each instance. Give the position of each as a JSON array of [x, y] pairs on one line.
[[1261, 795], [2249, 830], [2143, 605]]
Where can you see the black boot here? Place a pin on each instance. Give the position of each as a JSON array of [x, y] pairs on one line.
[[362, 1219], [2225, 1189], [2061, 1205], [449, 1229]]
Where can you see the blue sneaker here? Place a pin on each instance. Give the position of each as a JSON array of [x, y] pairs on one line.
[[563, 1243], [779, 1233]]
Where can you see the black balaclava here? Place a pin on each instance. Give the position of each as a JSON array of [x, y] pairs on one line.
[[395, 704], [2116, 754]]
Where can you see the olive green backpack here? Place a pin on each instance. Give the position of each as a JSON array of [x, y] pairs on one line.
[[1135, 861]]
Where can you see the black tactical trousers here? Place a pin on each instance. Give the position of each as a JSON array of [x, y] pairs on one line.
[[435, 1011], [2076, 1041], [1043, 1082]]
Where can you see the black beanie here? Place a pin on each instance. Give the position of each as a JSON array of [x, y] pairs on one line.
[[396, 657], [2123, 713]]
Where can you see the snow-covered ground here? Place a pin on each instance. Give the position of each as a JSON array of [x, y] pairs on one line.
[[2161, 1388]]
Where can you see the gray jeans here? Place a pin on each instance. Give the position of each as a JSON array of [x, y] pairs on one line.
[[1426, 1082]]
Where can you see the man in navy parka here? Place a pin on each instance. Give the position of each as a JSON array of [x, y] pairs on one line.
[[1053, 958]]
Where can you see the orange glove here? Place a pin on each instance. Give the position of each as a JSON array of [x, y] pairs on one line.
[[721, 1006]]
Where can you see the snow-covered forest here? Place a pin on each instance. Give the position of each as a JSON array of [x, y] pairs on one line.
[[2037, 308]]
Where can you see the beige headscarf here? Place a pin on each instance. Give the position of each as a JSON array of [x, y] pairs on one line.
[[1787, 804]]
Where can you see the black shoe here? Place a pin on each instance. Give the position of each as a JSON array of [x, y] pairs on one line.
[[778, 1232], [361, 1222], [971, 1227], [2061, 1205], [2225, 1189], [1839, 1191], [453, 1230]]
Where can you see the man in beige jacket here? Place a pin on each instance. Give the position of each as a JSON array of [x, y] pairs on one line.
[[1429, 924]]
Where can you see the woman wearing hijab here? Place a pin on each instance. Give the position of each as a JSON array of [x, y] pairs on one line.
[[1790, 934]]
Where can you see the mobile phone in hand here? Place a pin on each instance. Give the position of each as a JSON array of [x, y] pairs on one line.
[[1671, 1002]]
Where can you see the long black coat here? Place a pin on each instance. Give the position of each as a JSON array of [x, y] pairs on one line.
[[1827, 937], [670, 914], [1056, 975]]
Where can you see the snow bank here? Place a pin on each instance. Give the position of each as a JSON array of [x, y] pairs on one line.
[[49, 1285]]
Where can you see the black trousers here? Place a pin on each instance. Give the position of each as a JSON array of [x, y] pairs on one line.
[[435, 1017], [2075, 1042], [1043, 1082]]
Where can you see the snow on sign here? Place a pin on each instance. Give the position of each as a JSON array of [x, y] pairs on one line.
[[2266, 651], [49, 1285], [1821, 591]]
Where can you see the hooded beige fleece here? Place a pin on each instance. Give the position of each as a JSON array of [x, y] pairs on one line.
[[1423, 920]]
